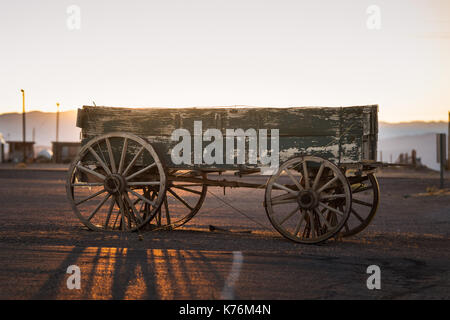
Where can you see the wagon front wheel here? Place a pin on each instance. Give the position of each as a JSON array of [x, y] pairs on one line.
[[105, 182], [308, 199]]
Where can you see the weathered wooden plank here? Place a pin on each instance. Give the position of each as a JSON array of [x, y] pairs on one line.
[[290, 121]]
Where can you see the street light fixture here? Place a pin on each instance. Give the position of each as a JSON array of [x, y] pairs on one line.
[[23, 127], [57, 121]]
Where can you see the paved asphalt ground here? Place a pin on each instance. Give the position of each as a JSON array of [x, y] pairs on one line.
[[40, 237]]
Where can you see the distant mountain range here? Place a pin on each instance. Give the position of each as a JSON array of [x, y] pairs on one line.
[[392, 130], [394, 138], [44, 125]]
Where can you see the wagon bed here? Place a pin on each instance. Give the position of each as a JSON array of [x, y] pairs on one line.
[[342, 135]]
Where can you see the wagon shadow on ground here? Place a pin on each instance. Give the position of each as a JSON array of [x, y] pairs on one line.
[[128, 273]]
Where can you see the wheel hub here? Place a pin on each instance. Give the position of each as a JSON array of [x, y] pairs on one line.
[[115, 183], [307, 199]]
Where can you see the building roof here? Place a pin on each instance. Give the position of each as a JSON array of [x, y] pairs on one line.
[[19, 142], [67, 142]]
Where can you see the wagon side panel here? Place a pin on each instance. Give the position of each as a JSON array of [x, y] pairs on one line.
[[341, 135]]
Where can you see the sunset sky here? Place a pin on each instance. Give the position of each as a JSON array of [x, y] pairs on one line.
[[229, 52]]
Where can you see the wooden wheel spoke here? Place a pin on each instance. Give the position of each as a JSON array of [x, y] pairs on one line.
[[278, 202], [111, 207], [87, 184], [131, 164], [158, 218], [321, 217], [312, 223], [306, 175], [332, 197], [87, 170], [129, 219], [118, 212], [284, 196], [347, 229], [111, 156], [318, 176], [289, 215], [296, 182], [135, 213], [124, 153], [319, 227], [359, 189], [142, 204], [287, 196], [97, 157], [279, 186], [340, 213], [357, 215], [121, 213], [367, 204], [125, 217], [331, 217], [326, 185], [299, 224], [98, 207], [180, 199], [307, 229], [90, 197], [115, 220], [140, 171], [166, 206], [136, 201], [141, 197]]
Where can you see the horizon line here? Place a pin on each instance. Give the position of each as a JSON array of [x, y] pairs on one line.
[[379, 120]]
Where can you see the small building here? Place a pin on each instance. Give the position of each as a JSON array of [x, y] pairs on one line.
[[65, 152], [15, 150]]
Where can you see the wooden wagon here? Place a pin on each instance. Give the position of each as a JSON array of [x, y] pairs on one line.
[[125, 177]]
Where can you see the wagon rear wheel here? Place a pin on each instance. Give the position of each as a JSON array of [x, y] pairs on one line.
[[365, 201], [184, 197], [308, 200], [105, 182]]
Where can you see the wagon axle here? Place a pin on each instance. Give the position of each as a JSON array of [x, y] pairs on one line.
[[308, 199], [115, 183]]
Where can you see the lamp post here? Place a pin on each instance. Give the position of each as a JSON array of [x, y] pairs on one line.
[[23, 127], [57, 121]]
